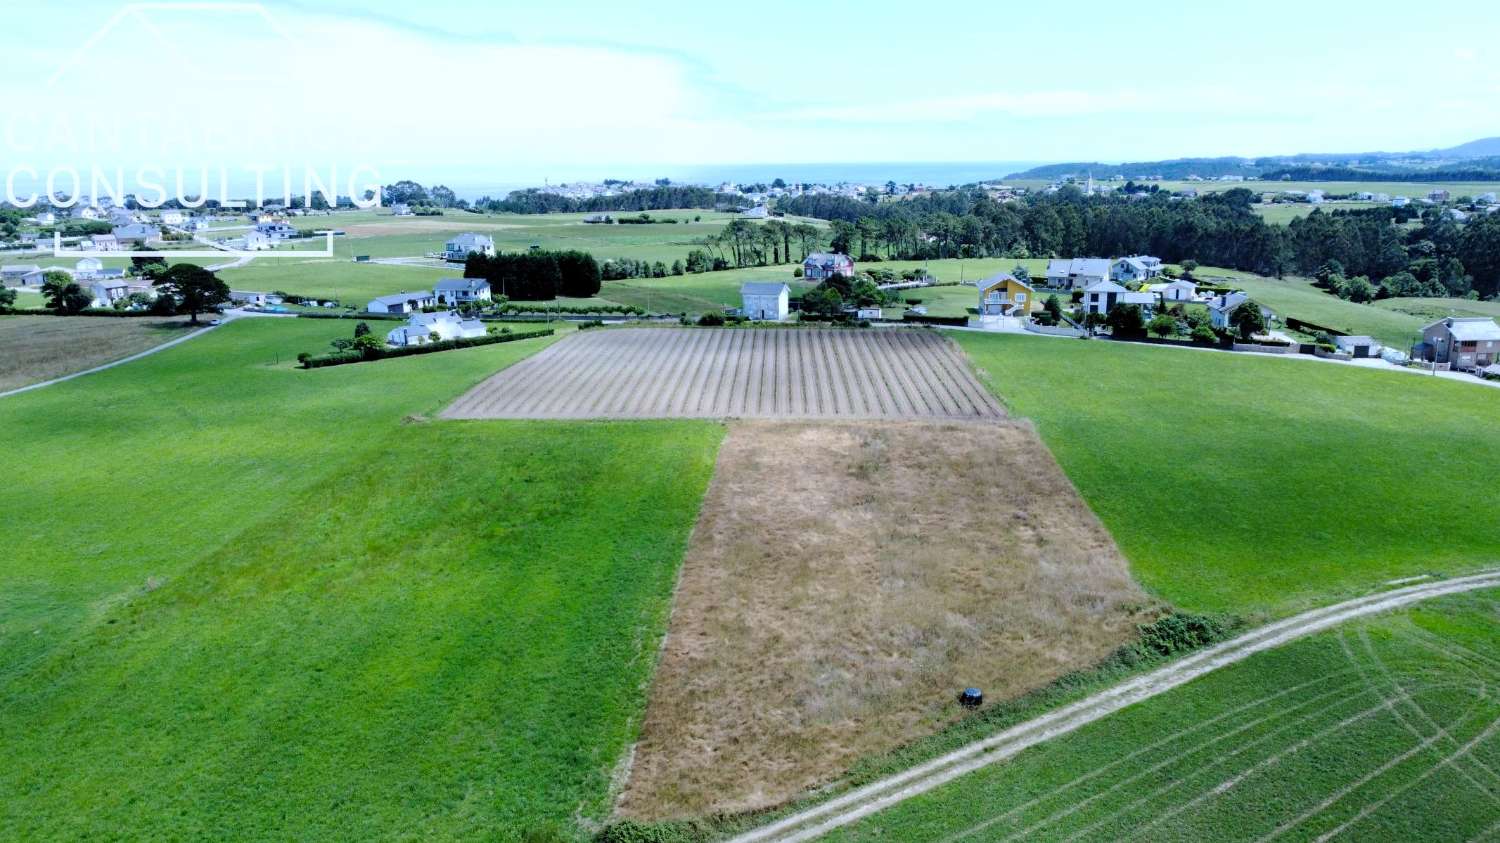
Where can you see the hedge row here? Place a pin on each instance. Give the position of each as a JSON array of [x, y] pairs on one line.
[[956, 321], [340, 358], [389, 317]]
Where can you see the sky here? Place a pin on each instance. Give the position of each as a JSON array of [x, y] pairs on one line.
[[568, 89]]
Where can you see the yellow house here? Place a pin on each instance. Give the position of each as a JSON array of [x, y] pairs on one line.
[[1006, 295]]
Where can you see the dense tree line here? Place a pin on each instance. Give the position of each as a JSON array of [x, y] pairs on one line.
[[1220, 229], [658, 198], [1485, 169], [537, 276]]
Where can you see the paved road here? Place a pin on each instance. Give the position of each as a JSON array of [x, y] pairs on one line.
[[877, 796]]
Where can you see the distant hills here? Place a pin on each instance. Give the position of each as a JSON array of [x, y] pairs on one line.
[[1477, 160]]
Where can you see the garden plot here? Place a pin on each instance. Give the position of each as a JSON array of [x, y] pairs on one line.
[[844, 581], [737, 373]]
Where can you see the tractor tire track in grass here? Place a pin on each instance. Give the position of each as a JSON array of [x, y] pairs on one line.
[[877, 796]]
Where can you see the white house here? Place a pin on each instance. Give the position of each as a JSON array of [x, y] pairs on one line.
[[83, 211], [1315, 197], [276, 230], [173, 217], [1222, 306], [1173, 291], [1357, 346], [49, 218], [401, 209], [765, 301], [1103, 296], [420, 329], [87, 267], [460, 247], [1400, 202], [455, 290], [820, 266], [256, 241], [402, 302], [1077, 273], [253, 298], [104, 243], [1137, 268]]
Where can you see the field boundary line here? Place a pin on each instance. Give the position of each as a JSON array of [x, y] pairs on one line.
[[892, 790]]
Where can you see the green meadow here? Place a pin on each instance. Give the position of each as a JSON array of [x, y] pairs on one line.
[[1258, 485], [1384, 729], [1297, 297], [245, 601]]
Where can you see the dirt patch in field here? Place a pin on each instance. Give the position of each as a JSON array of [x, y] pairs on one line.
[[845, 581], [737, 373]]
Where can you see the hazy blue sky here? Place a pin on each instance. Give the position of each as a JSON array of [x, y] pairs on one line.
[[523, 89]]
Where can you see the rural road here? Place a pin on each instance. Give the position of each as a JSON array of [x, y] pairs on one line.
[[877, 796]]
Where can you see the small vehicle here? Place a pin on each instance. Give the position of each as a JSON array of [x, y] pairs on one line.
[[216, 321]]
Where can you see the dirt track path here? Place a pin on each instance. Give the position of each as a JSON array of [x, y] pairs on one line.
[[877, 796]]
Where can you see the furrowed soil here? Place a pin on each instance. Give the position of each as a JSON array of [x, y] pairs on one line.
[[781, 373], [846, 580]]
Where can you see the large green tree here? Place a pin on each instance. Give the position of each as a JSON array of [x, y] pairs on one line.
[[194, 288], [63, 294]]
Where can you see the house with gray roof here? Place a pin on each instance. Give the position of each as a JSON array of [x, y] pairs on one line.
[[1462, 342], [422, 327], [1077, 273], [767, 301], [820, 266], [460, 247], [1104, 296], [456, 290], [137, 232], [104, 243], [402, 302], [1136, 268]]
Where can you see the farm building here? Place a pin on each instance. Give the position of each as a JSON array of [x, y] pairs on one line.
[[1173, 291], [1005, 295], [460, 247], [1102, 297], [1137, 268], [1077, 273], [402, 302], [765, 301], [1462, 342], [1357, 346], [822, 265], [455, 290], [420, 329], [253, 298]]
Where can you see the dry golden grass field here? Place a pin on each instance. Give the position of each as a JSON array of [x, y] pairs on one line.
[[844, 582], [38, 348]]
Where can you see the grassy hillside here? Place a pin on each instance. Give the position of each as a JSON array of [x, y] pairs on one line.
[[1335, 735], [247, 601], [1298, 298], [38, 348], [1252, 484]]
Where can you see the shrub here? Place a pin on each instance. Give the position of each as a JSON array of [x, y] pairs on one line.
[[1204, 334], [592, 323], [711, 319]]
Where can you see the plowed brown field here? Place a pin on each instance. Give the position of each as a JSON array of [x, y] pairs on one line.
[[780, 373]]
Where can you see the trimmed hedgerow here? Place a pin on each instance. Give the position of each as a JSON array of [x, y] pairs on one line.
[[340, 358]]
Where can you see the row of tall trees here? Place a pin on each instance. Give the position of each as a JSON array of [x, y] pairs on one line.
[[659, 198], [1219, 229], [744, 243], [538, 275]]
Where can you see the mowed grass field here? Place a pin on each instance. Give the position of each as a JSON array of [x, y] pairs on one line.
[[38, 348], [1385, 729], [1298, 298], [1258, 485], [245, 601]]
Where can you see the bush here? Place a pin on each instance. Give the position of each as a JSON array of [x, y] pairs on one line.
[[1179, 632], [592, 323], [711, 319], [339, 358], [1204, 335], [956, 321]]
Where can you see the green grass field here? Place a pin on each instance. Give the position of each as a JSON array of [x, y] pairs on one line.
[[1297, 297], [1281, 214], [241, 600], [1257, 485], [1429, 310], [1385, 729]]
